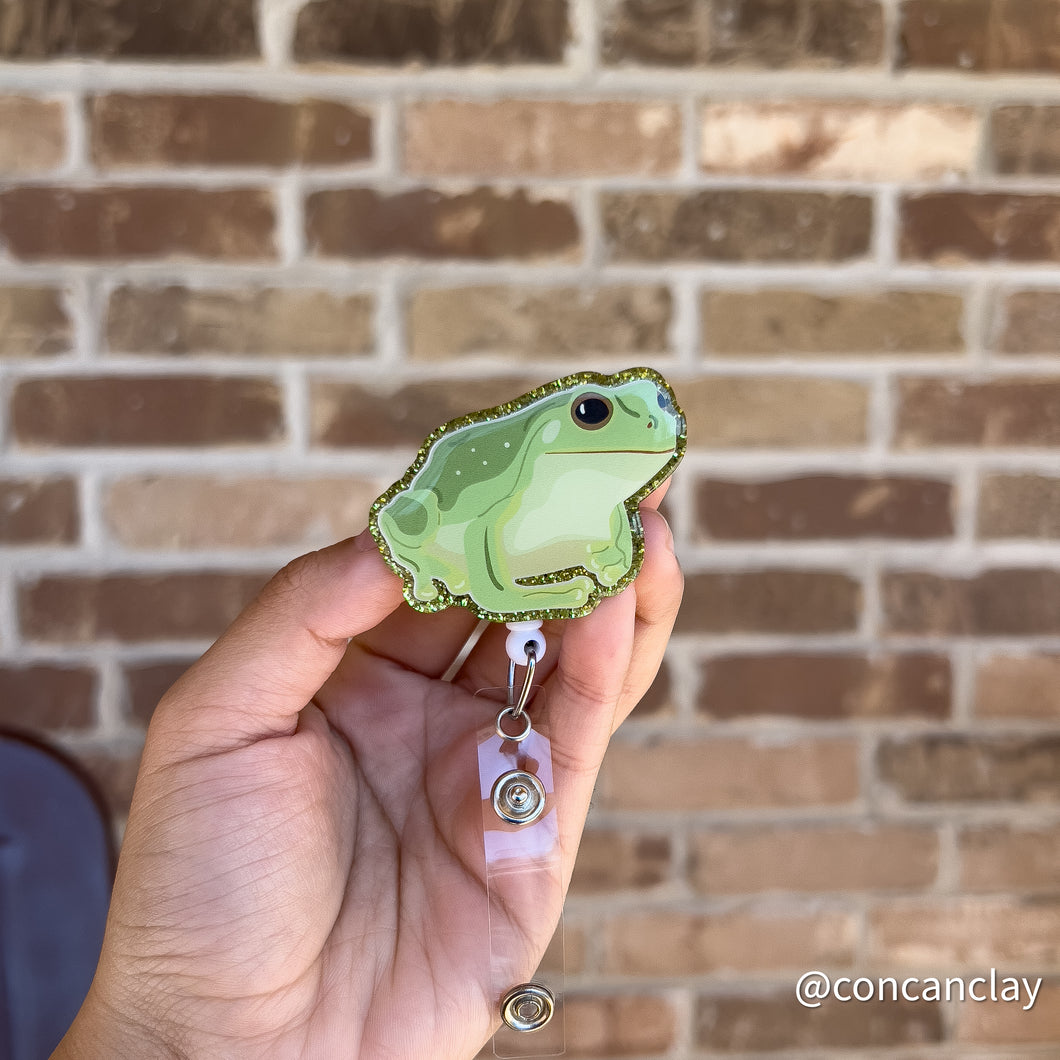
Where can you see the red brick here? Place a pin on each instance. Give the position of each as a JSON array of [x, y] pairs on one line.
[[613, 1026], [33, 322], [769, 601], [980, 35], [674, 943], [102, 411], [1002, 602], [39, 511], [775, 323], [777, 1021], [484, 223], [256, 322], [814, 859], [813, 507], [972, 932], [826, 687], [741, 412], [1021, 411], [544, 138], [436, 32], [224, 130], [616, 861], [802, 33], [130, 608], [951, 227], [736, 225], [972, 768], [47, 697], [351, 414], [733, 774], [41, 223], [560, 322], [1025, 139], [192, 29], [146, 683], [1006, 1023], [658, 700], [1000, 858], [1018, 686], [32, 134], [192, 511], [1019, 506]]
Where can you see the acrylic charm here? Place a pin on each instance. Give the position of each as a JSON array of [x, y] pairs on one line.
[[529, 510]]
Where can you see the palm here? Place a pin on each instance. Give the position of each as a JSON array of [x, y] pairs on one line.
[[310, 883]]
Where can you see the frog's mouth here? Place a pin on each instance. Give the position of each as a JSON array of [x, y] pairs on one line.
[[602, 452]]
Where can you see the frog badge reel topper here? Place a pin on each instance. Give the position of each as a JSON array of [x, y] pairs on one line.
[[523, 512]]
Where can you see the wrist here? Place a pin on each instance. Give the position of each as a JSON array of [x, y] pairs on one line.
[[99, 1030]]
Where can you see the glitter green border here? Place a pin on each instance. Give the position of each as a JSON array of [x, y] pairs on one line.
[[447, 599]]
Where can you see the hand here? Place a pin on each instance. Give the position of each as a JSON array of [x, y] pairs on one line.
[[302, 873]]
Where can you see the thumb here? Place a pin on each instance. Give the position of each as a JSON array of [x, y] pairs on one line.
[[272, 660]]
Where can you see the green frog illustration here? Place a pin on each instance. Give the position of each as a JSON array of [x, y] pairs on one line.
[[529, 510]]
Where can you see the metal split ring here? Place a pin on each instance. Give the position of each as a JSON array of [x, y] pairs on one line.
[[510, 712]]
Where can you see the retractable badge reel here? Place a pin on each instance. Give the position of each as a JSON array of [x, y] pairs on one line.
[[523, 513]]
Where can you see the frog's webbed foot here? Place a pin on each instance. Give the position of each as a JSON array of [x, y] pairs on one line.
[[423, 587], [608, 563]]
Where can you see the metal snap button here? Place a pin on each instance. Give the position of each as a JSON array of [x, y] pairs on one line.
[[527, 1007], [518, 797]]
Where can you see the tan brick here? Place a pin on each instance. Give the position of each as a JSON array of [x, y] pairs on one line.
[[47, 697], [146, 683], [1019, 506], [741, 412], [349, 414], [617, 861], [974, 932], [775, 323], [32, 134], [826, 687], [195, 29], [676, 943], [999, 858], [436, 32], [1006, 1022], [542, 138], [1002, 412], [803, 33], [178, 512], [267, 322], [952, 227], [728, 774], [1018, 686], [1002, 602], [1027, 322], [971, 768], [131, 608], [224, 130], [769, 601], [103, 411], [33, 322], [779, 1022], [736, 225], [481, 224], [538, 321], [816, 507], [844, 140], [980, 35], [814, 859], [41, 223], [39, 511], [613, 1025]]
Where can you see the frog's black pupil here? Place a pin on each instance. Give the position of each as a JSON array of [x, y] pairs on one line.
[[593, 411]]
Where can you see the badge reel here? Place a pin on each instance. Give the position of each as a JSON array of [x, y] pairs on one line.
[[521, 513]]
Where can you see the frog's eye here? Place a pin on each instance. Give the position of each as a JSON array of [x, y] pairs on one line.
[[591, 411]]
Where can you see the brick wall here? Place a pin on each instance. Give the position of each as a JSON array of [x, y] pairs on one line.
[[251, 252]]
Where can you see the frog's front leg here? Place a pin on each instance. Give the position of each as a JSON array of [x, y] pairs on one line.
[[494, 588], [610, 560]]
